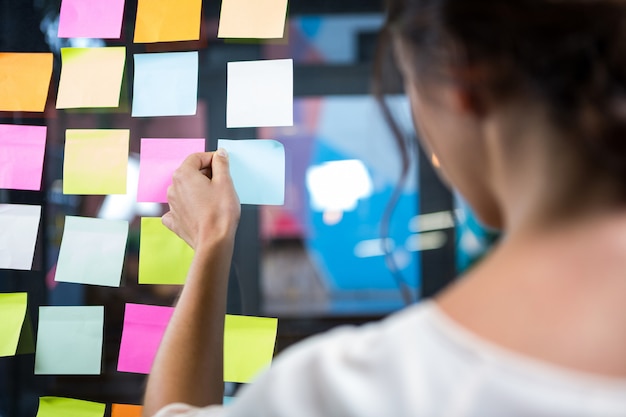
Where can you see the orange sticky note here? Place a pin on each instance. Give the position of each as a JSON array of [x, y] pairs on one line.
[[126, 410], [254, 19], [24, 81], [168, 20]]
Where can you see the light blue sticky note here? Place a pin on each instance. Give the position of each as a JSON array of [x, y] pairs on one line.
[[92, 251], [69, 340], [258, 170], [166, 84]]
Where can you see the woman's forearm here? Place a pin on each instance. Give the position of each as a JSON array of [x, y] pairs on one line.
[[204, 211], [189, 365]]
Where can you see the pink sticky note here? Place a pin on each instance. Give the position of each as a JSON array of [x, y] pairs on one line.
[[91, 19], [21, 156], [158, 159], [143, 330]]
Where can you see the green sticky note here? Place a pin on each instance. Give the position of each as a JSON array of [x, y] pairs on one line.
[[96, 161], [16, 336], [248, 346], [164, 258], [69, 340], [92, 251], [68, 407]]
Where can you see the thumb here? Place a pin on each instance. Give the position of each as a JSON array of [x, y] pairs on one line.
[[221, 166]]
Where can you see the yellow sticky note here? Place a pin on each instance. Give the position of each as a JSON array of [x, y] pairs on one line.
[[164, 258], [96, 161], [24, 81], [248, 346], [256, 19], [91, 77], [15, 331], [68, 407], [168, 20]]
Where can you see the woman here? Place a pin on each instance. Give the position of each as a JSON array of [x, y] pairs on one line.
[[524, 105]]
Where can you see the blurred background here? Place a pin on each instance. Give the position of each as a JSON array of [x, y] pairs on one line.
[[320, 260]]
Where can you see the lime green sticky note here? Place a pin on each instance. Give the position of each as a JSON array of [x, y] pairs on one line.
[[15, 331], [248, 346], [68, 407], [164, 258], [96, 161], [69, 340]]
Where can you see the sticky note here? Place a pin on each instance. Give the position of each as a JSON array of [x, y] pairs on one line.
[[168, 20], [68, 407], [24, 81], [92, 251], [91, 77], [100, 19], [144, 326], [22, 150], [19, 225], [158, 160], [252, 19], [164, 258], [258, 170], [15, 330], [166, 84], [259, 93], [248, 346], [126, 410], [96, 161], [69, 340]]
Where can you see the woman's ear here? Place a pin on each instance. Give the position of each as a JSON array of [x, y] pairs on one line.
[[468, 101], [466, 93]]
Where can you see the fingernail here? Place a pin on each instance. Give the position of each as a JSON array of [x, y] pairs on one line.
[[222, 152]]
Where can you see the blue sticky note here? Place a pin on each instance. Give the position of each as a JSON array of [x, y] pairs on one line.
[[92, 251], [166, 84], [258, 170], [69, 340]]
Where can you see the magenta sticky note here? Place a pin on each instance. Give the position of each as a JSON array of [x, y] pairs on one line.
[[22, 150], [158, 160], [91, 19], [143, 330]]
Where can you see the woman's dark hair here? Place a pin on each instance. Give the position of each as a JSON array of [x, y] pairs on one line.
[[569, 53]]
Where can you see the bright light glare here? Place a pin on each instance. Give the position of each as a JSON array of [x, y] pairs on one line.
[[126, 207], [426, 241], [338, 185], [431, 221], [373, 247]]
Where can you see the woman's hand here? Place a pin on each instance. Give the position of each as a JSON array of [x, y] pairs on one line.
[[204, 207]]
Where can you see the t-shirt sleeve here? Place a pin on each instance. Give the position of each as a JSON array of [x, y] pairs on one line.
[[184, 410], [335, 374]]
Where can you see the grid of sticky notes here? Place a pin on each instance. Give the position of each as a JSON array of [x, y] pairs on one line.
[[70, 339]]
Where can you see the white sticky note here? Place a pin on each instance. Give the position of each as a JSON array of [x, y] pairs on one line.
[[258, 170], [19, 225], [260, 93]]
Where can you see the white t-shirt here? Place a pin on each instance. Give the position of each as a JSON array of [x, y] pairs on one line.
[[415, 363]]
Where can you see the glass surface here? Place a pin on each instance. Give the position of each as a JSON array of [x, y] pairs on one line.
[[323, 251]]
